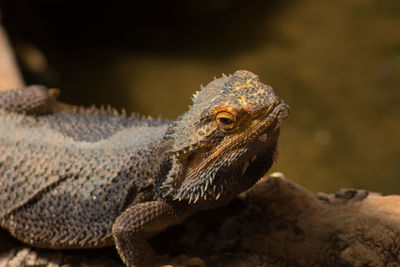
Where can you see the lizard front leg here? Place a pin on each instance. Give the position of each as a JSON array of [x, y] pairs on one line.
[[137, 223], [32, 100]]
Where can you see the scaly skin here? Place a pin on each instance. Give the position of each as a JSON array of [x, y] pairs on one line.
[[89, 178]]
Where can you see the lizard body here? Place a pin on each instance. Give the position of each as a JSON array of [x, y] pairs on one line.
[[89, 178]]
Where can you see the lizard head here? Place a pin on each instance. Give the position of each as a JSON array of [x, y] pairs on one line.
[[226, 141]]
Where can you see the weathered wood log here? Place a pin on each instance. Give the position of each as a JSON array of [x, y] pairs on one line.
[[276, 223], [283, 224]]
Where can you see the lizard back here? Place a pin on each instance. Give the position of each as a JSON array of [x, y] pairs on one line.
[[98, 152]]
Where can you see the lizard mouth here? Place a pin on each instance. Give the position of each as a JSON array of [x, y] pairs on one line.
[[273, 121], [266, 131], [264, 126]]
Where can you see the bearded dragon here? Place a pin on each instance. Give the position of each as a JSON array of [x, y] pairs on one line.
[[89, 178]]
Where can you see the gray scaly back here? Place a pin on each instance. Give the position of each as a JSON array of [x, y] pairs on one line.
[[74, 160]]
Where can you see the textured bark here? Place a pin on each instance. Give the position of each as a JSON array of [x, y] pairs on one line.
[[283, 224], [276, 223]]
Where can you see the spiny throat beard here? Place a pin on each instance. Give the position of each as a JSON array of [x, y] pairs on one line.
[[208, 177]]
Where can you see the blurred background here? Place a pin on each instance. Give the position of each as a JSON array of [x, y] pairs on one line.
[[336, 63]]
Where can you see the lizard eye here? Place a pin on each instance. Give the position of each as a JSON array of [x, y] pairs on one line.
[[226, 120]]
